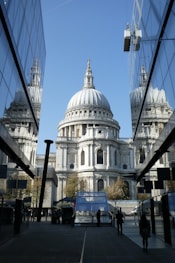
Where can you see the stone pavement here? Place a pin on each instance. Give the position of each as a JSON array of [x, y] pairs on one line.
[[131, 230], [47, 243]]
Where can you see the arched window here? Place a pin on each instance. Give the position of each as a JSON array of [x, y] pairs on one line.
[[100, 185], [99, 156], [82, 157]]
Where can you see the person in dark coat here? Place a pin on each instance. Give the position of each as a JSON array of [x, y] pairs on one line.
[[98, 215], [144, 226], [120, 221]]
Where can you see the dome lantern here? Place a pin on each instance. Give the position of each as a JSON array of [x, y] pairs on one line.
[[88, 97], [88, 78]]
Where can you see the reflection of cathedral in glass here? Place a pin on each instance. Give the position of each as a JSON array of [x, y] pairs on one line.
[[19, 124], [156, 114], [88, 143], [22, 67], [18, 118]]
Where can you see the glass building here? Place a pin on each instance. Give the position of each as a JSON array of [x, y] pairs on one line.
[[150, 38], [154, 54], [22, 63]]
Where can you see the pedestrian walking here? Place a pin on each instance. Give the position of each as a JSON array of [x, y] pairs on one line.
[[98, 215], [144, 226], [120, 221], [33, 215]]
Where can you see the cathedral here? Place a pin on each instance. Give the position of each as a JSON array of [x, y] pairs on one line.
[[88, 143]]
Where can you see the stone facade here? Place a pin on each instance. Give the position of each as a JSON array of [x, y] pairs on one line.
[[88, 142]]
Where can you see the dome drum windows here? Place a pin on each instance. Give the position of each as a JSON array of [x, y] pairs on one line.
[[84, 127]]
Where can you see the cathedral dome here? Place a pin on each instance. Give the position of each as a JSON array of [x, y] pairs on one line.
[[88, 97]]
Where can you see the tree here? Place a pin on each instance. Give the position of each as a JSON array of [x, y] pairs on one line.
[[83, 185], [36, 189], [170, 185], [117, 190], [71, 186]]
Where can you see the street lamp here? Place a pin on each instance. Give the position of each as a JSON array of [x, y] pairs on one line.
[[48, 143]]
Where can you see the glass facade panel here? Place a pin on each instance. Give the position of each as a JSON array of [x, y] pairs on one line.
[[156, 55], [22, 45], [91, 201], [149, 16], [3, 94]]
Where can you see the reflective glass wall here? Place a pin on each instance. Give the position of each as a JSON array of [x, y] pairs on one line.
[[22, 49], [152, 67], [21, 42]]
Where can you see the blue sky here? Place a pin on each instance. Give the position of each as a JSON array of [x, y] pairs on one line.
[[75, 31]]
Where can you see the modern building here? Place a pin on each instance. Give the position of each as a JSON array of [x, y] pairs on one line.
[[22, 64], [152, 107], [88, 143], [155, 88]]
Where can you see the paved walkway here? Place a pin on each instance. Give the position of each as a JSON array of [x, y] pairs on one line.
[[47, 243], [131, 230]]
